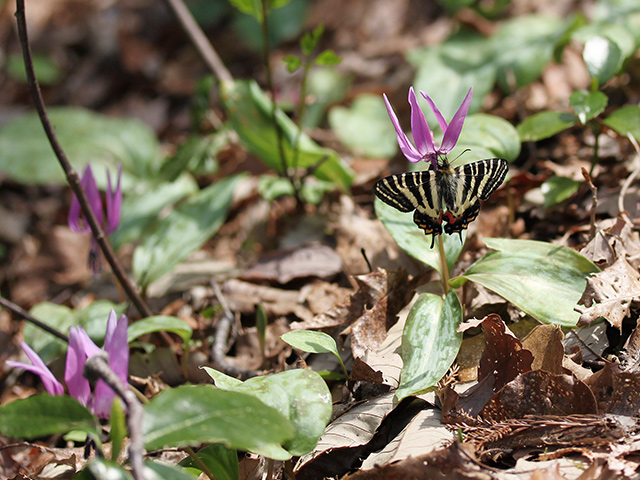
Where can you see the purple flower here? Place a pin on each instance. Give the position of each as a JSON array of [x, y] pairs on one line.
[[424, 148], [81, 347], [37, 366], [113, 203]]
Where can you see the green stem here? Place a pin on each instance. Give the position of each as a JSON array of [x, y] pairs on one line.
[[596, 146], [198, 461], [300, 115], [444, 267], [266, 51]]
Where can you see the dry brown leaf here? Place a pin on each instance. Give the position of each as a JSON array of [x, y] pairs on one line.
[[545, 343], [609, 294]]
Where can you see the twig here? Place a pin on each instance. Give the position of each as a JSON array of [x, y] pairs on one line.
[[12, 307], [199, 40], [627, 183], [96, 367], [594, 205], [72, 175]]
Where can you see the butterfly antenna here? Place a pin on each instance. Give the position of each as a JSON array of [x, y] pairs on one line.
[[461, 153]]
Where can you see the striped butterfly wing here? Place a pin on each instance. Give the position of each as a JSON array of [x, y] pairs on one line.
[[472, 182], [417, 191]]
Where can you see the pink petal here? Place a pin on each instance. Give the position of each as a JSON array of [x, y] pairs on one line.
[[93, 194], [114, 202], [37, 366], [80, 348], [455, 127], [441, 121], [407, 149], [419, 127]]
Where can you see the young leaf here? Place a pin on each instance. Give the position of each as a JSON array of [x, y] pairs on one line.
[[327, 58], [183, 231], [430, 342], [220, 460], [192, 415], [311, 342], [558, 189], [310, 40], [413, 241], [544, 125], [300, 395], [292, 62], [42, 415], [603, 59], [544, 280], [625, 121], [159, 323], [118, 428], [587, 105]]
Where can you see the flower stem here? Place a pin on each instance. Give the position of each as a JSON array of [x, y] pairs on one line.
[[444, 267]]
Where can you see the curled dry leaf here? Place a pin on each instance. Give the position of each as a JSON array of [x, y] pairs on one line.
[[609, 294]]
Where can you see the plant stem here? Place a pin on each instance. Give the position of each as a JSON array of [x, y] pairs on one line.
[[198, 461], [274, 111], [17, 310], [72, 176], [596, 146], [300, 114], [444, 267]]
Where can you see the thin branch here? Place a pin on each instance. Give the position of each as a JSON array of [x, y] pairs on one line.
[[72, 175], [96, 367], [199, 40], [594, 205], [17, 310]]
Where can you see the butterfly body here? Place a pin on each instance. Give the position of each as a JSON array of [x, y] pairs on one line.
[[449, 195]]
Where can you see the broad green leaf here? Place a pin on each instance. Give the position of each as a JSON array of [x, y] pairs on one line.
[[311, 342], [42, 415], [312, 191], [445, 72], [523, 47], [141, 208], [183, 231], [302, 396], [92, 318], [603, 59], [619, 13], [544, 125], [482, 131], [159, 323], [625, 121], [222, 380], [587, 105], [558, 189], [365, 127], [101, 469], [430, 342], [26, 156], [155, 470], [192, 415], [617, 33], [221, 461], [250, 115], [413, 240], [541, 279]]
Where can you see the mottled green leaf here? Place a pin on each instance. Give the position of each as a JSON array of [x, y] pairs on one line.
[[159, 323]]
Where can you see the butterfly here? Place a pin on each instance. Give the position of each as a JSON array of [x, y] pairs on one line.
[[450, 194]]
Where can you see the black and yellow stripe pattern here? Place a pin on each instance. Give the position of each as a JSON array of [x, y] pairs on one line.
[[448, 194]]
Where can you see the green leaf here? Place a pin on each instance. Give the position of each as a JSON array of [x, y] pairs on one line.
[[558, 189], [625, 121], [310, 40], [250, 115], [587, 105], [42, 415], [482, 131], [327, 58], [222, 380], [46, 69], [616, 32], [430, 342], [543, 280], [544, 125], [312, 192], [140, 209], [292, 62], [192, 415], [159, 323], [196, 154], [26, 156], [413, 241], [221, 461], [101, 469], [523, 46], [603, 59], [300, 395], [118, 425], [365, 127], [326, 86], [311, 342], [183, 231], [155, 470]]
